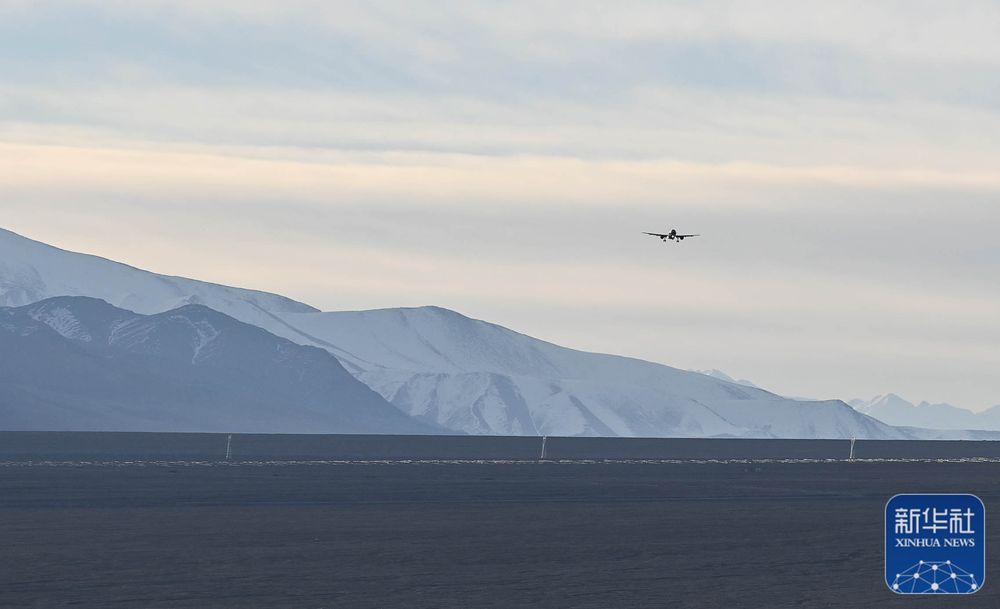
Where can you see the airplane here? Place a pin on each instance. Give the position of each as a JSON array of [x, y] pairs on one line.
[[672, 235]]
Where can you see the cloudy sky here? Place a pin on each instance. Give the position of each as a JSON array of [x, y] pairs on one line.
[[841, 159]]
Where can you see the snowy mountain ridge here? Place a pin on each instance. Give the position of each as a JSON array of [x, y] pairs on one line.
[[895, 410], [438, 366], [478, 377], [31, 271], [719, 374], [75, 363]]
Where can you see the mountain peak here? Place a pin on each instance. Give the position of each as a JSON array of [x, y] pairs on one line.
[[105, 368], [892, 409], [722, 376], [78, 318], [718, 374], [198, 311], [892, 398], [64, 301], [31, 271]]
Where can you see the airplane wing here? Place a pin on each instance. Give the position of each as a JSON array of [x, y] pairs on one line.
[[686, 236], [656, 234]]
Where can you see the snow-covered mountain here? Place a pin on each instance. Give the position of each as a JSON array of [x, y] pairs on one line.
[[478, 377], [894, 410], [447, 369], [31, 271], [76, 363]]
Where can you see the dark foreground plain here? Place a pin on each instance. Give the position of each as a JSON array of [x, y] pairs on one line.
[[465, 535]]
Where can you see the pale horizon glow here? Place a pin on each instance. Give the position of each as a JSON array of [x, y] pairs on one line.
[[502, 160]]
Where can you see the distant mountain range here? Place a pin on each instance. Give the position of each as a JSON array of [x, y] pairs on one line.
[[894, 410], [440, 370], [77, 363], [719, 374]]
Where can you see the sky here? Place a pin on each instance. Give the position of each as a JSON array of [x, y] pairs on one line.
[[502, 159]]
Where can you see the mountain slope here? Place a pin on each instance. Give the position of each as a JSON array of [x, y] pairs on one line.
[[75, 363], [894, 410], [31, 271], [478, 377], [719, 374], [446, 369]]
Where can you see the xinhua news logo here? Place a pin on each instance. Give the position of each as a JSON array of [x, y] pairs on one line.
[[935, 544]]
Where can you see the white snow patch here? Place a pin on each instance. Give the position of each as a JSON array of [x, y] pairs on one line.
[[62, 321]]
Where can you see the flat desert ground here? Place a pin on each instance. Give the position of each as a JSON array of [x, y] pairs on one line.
[[465, 535]]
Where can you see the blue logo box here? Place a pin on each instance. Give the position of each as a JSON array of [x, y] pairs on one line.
[[935, 544]]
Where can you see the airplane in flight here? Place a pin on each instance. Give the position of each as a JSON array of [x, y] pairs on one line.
[[672, 235]]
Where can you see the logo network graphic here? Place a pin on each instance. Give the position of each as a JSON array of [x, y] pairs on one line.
[[935, 544]]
